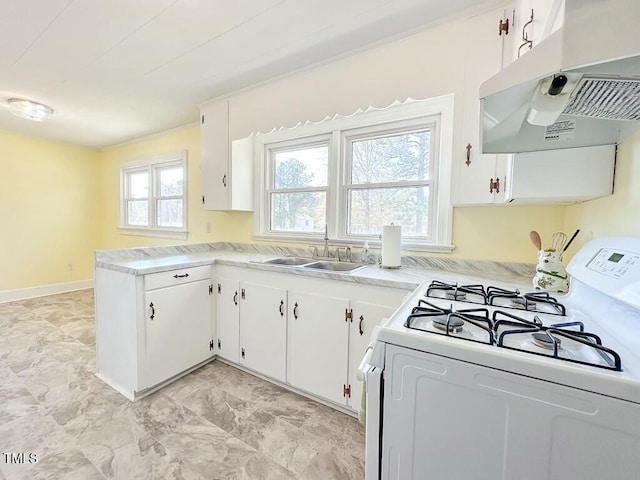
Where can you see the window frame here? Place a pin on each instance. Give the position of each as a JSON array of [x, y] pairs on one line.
[[153, 167], [271, 150], [429, 124], [436, 111]]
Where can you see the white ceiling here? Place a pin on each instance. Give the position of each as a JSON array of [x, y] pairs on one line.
[[121, 69]]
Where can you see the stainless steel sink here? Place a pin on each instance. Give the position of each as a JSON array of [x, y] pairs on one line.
[[288, 261], [334, 266]]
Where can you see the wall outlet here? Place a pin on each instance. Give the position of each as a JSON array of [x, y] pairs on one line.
[[70, 267], [208, 227]]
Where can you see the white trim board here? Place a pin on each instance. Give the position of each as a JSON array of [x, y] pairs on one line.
[[44, 290]]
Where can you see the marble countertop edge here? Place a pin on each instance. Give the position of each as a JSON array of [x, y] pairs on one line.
[[415, 270]]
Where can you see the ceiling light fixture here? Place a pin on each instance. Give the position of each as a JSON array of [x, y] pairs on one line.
[[29, 110]]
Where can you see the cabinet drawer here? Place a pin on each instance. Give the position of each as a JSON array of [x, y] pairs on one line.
[[176, 277]]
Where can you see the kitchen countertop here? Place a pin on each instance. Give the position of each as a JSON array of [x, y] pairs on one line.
[[143, 261]]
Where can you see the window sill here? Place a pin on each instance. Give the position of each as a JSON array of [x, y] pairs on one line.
[[314, 240], [145, 232]]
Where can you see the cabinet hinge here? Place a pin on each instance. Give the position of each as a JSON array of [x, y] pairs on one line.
[[348, 314], [242, 293], [202, 119], [210, 289], [346, 391], [219, 288], [242, 353], [219, 345], [203, 199], [211, 345], [503, 27], [494, 185]]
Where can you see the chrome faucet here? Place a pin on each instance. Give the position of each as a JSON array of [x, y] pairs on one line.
[[347, 254], [325, 253]]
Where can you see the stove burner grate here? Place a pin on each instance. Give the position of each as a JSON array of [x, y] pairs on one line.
[[506, 324]]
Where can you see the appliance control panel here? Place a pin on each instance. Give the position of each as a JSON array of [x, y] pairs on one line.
[[614, 263]]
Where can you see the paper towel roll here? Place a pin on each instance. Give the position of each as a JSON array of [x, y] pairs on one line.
[[390, 252]]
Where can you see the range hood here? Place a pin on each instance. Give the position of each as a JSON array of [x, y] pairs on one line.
[[578, 87]]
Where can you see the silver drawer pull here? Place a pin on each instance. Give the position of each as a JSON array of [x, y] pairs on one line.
[[181, 276]]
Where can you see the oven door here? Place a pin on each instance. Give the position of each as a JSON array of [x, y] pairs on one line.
[[373, 390], [373, 424], [446, 419]]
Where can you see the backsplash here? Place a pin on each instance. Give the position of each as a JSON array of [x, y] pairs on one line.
[[438, 263]]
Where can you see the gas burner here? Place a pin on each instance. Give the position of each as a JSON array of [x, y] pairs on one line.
[[545, 340], [522, 304], [453, 291], [448, 323], [455, 295], [540, 302]]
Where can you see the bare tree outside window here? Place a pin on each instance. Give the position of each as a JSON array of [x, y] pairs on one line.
[[299, 197], [390, 183]]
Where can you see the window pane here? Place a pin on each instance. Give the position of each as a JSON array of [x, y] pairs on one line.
[[391, 158], [298, 212], [138, 212], [170, 213], [138, 185], [304, 167], [171, 181], [373, 208]]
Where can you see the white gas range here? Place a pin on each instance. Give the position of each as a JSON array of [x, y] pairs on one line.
[[478, 382]]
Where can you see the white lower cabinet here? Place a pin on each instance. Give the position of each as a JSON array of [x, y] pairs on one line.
[[366, 315], [228, 319], [177, 330], [318, 344], [309, 333], [263, 329], [152, 328]]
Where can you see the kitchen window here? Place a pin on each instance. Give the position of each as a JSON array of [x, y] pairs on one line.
[[355, 174], [153, 200]]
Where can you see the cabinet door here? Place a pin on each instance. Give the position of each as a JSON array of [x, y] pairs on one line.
[[318, 344], [228, 319], [177, 330], [366, 315], [214, 156], [263, 329], [483, 56]]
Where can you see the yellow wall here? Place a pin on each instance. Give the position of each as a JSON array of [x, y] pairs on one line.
[[479, 233], [236, 227], [618, 214], [49, 204]]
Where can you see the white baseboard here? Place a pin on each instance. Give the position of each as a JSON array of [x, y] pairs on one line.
[[43, 290]]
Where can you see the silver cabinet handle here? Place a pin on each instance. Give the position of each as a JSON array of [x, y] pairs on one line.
[[224, 180], [295, 311], [153, 311], [235, 298], [281, 308]]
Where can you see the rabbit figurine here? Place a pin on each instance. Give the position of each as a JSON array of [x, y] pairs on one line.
[[550, 273]]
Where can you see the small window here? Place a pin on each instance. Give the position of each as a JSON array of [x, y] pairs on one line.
[[153, 197], [389, 182], [298, 190]]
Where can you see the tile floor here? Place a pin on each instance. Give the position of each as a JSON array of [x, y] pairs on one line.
[[216, 423]]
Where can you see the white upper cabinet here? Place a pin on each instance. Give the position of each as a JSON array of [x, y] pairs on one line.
[[226, 167], [531, 22], [473, 171]]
